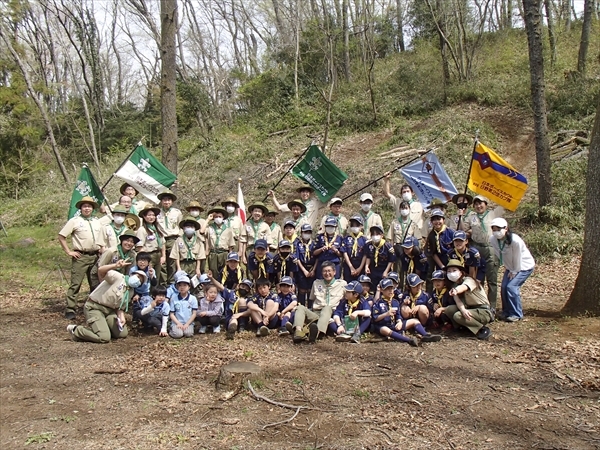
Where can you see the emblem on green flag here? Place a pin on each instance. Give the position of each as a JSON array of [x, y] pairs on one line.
[[319, 172]]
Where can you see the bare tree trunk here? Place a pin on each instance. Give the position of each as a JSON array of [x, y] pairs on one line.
[[551, 35], [509, 13], [400, 24], [168, 74], [38, 103], [117, 54], [585, 298], [533, 25], [346, 31], [588, 8]]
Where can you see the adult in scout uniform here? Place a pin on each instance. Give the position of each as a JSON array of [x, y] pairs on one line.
[[276, 233], [298, 215], [472, 308], [416, 209], [105, 308], [118, 226], [402, 227], [219, 239], [335, 211], [194, 209], [188, 251], [369, 217], [462, 202], [131, 192], [124, 250], [310, 201], [152, 240], [478, 226], [168, 222], [86, 238], [233, 219], [255, 228]]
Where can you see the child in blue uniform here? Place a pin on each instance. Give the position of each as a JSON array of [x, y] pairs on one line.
[[353, 249], [232, 273], [367, 286], [183, 307], [352, 317], [468, 256], [263, 306], [380, 256], [441, 299], [283, 262], [439, 241], [412, 259], [172, 288], [287, 305], [328, 247], [304, 248], [156, 314], [235, 305], [416, 303], [260, 261]]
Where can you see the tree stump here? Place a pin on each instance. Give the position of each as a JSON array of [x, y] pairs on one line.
[[235, 374]]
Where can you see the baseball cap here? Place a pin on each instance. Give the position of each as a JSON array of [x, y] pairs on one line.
[[289, 223], [335, 200], [366, 196], [284, 243], [306, 227], [184, 279], [394, 276], [357, 218], [376, 227], [408, 242], [437, 213], [413, 280], [354, 286], [364, 279], [204, 279], [386, 283], [330, 221], [246, 282], [481, 198], [261, 243], [460, 235], [438, 275], [287, 281], [179, 274], [233, 256], [499, 222]]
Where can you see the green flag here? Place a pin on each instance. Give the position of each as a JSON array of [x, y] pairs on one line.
[[146, 174], [320, 173], [85, 186]]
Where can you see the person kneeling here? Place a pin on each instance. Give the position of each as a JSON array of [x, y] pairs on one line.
[[183, 307]]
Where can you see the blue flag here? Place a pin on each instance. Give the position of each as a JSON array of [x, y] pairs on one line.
[[429, 180]]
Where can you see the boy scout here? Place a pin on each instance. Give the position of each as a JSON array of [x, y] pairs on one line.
[[86, 237], [168, 222], [369, 217], [256, 228], [335, 211], [219, 239], [188, 251], [276, 233], [233, 219], [310, 201]]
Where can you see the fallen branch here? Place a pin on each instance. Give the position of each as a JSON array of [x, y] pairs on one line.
[[258, 396], [283, 421], [109, 371], [386, 434]]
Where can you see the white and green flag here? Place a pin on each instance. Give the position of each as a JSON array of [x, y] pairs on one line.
[[85, 186], [146, 174]]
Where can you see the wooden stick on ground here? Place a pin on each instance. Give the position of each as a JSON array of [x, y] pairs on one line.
[[283, 421], [258, 396]]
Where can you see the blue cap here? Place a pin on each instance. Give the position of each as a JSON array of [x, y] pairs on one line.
[[233, 256], [204, 279], [306, 227], [331, 221], [386, 283], [438, 275], [261, 243], [284, 243], [184, 279], [394, 276], [364, 279], [460, 235], [289, 223], [376, 227], [408, 242], [354, 286], [246, 282], [437, 213], [287, 281], [413, 280], [357, 218], [179, 274]]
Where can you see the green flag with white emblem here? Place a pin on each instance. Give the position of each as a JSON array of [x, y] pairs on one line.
[[85, 186], [320, 173], [146, 174]]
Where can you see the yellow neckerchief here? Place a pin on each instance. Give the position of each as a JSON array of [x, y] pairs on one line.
[[411, 264], [437, 238], [460, 256], [389, 303], [353, 306], [440, 295], [283, 265], [226, 274], [355, 244], [335, 235], [414, 298], [377, 248], [366, 296], [292, 239], [189, 243], [236, 304], [261, 265], [307, 248]]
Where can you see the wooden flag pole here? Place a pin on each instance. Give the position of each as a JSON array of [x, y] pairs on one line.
[[122, 164]]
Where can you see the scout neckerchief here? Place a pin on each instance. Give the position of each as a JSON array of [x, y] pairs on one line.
[[411, 263], [261, 265], [255, 226], [460, 255], [366, 218], [501, 245], [388, 301], [333, 238], [218, 232], [414, 298], [327, 286], [272, 226], [437, 239], [122, 254], [166, 217], [307, 249], [338, 219], [355, 243], [481, 218], [404, 228], [190, 243], [154, 231], [353, 306], [119, 231], [283, 265], [377, 248], [89, 221], [226, 274], [292, 239], [440, 295]]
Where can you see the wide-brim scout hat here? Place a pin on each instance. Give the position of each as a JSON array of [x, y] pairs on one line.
[[229, 200], [167, 194], [147, 209], [190, 221], [120, 209], [218, 209], [466, 196], [272, 211], [259, 205], [132, 221], [305, 187], [297, 202], [456, 263], [129, 234], [414, 280], [87, 199], [125, 186], [194, 205], [436, 203]]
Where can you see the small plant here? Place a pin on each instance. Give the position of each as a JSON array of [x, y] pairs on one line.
[[51, 401], [41, 438], [248, 354], [361, 393], [297, 381], [259, 384]]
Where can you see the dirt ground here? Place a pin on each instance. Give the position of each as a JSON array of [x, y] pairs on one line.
[[534, 384]]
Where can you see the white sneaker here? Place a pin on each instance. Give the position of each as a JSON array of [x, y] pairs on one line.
[[202, 330], [217, 329], [71, 328]]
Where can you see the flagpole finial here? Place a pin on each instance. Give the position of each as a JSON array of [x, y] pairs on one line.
[[477, 134], [239, 180], [84, 164]]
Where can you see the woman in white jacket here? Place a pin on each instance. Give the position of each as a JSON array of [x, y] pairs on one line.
[[518, 266]]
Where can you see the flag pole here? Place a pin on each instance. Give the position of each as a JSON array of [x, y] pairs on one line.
[[288, 171], [383, 176], [469, 173], [122, 164]]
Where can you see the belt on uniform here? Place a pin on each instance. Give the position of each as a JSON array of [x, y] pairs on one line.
[[219, 250], [87, 253], [478, 307], [170, 238], [188, 260]]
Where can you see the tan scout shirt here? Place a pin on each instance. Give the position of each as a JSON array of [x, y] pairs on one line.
[[235, 224], [111, 233], [323, 294], [475, 296], [168, 222], [252, 232], [185, 248], [311, 215], [110, 292], [342, 224], [148, 242], [112, 255], [400, 230], [276, 235], [219, 238], [416, 210], [480, 226], [370, 220], [86, 234]]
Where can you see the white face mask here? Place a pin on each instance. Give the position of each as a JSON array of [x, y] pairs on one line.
[[194, 213], [376, 239], [366, 207], [134, 282], [119, 220], [404, 212], [329, 230], [189, 231], [218, 220], [354, 230], [454, 276], [407, 196], [499, 234], [230, 209], [306, 236]]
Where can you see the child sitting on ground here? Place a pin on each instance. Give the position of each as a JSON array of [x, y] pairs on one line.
[[287, 305], [416, 303], [236, 306], [352, 317], [211, 309], [441, 299], [156, 314], [367, 286], [183, 307], [263, 308]]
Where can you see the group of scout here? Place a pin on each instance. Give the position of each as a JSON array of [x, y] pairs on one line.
[[342, 276]]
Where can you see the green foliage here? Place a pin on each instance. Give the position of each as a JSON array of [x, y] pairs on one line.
[[41, 438], [571, 101]]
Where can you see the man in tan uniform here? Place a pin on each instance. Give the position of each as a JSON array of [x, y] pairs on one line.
[[219, 239], [310, 201], [416, 209], [188, 251], [168, 223], [86, 237], [256, 228]]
